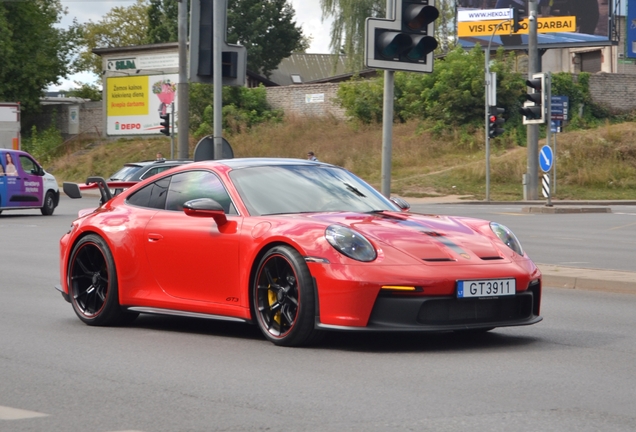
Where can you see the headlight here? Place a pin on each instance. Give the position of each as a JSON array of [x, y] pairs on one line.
[[506, 236], [350, 243]]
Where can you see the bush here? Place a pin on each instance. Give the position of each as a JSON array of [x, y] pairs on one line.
[[43, 145], [242, 109]]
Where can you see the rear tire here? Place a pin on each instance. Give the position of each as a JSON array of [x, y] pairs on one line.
[[283, 298], [92, 282], [49, 204]]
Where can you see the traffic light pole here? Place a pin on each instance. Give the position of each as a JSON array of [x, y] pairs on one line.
[[172, 132], [182, 86], [532, 174], [217, 78], [490, 100], [387, 118]]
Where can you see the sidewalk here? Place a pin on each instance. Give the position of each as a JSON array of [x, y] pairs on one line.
[[466, 199]]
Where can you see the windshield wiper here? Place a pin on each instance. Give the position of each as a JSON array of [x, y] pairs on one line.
[[354, 190]]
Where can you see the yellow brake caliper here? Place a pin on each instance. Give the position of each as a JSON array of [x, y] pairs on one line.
[[271, 297]]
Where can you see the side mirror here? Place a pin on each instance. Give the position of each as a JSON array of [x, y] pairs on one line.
[[401, 203], [205, 207]]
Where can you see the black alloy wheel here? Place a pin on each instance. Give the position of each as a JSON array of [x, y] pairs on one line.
[[283, 298], [93, 284]]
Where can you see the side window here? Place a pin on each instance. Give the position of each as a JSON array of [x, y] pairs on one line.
[[152, 196], [197, 184], [150, 173], [156, 170], [28, 165]]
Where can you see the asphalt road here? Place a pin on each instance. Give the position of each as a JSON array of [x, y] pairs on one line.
[[576, 370], [585, 240]]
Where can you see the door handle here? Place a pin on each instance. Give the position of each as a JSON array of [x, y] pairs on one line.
[[153, 237]]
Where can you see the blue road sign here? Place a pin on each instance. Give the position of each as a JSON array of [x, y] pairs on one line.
[[559, 107], [545, 158]]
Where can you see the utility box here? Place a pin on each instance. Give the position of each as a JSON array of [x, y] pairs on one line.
[[10, 125]]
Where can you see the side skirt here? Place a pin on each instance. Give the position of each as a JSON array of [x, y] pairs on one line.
[[159, 311]]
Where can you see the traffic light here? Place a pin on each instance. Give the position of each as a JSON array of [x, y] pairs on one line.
[[533, 109], [165, 123], [495, 122], [515, 20], [405, 43], [233, 57]]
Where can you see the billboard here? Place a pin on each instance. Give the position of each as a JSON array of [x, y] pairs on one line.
[[561, 23], [134, 103], [630, 50]]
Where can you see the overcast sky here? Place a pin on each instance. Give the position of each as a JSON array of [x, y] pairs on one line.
[[308, 15]]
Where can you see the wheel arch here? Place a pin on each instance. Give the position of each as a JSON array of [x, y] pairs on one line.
[[72, 246], [254, 268]]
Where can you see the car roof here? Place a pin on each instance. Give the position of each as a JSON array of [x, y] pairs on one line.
[[157, 162], [239, 163]]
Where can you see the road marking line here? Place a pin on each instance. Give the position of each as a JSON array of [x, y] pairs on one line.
[[624, 226], [7, 413]]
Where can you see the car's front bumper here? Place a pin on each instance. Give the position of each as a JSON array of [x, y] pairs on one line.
[[361, 298]]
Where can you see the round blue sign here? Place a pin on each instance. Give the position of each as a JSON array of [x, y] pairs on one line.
[[546, 158]]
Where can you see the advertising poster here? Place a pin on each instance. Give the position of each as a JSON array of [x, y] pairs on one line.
[[631, 29], [561, 23], [134, 103]]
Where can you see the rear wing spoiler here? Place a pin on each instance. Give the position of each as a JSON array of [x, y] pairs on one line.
[[74, 190]]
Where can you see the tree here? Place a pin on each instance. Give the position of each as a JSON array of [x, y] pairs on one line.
[[122, 26], [34, 53], [85, 91], [163, 24], [349, 22], [265, 27], [347, 29]]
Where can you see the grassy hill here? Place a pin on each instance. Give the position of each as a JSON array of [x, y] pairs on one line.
[[591, 164]]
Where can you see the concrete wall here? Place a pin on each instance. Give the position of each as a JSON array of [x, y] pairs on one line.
[[312, 100], [614, 91], [89, 118]]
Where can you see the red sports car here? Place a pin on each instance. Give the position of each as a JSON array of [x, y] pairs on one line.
[[296, 247]]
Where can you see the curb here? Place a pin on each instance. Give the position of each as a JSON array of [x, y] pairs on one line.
[[588, 279], [566, 209]]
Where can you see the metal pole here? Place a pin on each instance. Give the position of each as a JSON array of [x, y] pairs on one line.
[[217, 80], [548, 136], [387, 118], [183, 86], [488, 102], [532, 178], [172, 132], [555, 162], [487, 121]]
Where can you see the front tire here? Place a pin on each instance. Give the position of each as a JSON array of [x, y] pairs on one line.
[[93, 284], [49, 204], [283, 298]]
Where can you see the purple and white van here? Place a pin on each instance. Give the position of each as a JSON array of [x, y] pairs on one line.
[[25, 185]]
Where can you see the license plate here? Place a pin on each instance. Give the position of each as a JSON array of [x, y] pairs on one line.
[[486, 288]]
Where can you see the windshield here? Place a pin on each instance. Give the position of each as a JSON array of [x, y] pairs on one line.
[[305, 188], [125, 173]]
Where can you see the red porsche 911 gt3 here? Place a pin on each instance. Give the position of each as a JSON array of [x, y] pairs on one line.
[[296, 247]]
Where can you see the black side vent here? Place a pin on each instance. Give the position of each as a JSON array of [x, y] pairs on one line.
[[438, 259], [492, 258]]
